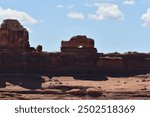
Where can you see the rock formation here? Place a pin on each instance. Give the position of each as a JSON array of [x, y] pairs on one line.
[[124, 64], [39, 48], [79, 43], [13, 35], [78, 57], [16, 55]]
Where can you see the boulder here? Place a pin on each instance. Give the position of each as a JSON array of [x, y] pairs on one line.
[[94, 92], [76, 92]]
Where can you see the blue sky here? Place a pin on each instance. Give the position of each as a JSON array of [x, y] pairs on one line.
[[115, 25]]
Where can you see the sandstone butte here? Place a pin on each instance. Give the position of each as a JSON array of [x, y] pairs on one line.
[[78, 57]]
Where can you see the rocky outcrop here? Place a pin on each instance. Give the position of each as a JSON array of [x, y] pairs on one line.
[[78, 56], [110, 65], [15, 56], [94, 92], [77, 92], [13, 35], [124, 64], [79, 43]]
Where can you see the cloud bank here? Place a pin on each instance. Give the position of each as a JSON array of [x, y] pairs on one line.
[[146, 18], [15, 14], [107, 11]]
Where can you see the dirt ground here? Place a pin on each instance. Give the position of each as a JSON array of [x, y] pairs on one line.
[[68, 88]]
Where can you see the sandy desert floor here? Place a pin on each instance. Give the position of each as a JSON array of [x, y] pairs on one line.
[[137, 87]]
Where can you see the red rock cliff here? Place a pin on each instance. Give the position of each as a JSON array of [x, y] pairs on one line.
[[13, 35]]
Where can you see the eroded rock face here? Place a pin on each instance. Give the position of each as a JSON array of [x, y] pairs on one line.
[[79, 43], [124, 64], [13, 35], [78, 57], [72, 60], [79, 54]]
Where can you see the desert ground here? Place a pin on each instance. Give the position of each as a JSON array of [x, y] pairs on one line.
[[68, 88]]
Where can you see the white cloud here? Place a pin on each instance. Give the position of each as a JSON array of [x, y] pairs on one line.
[[146, 18], [14, 14], [76, 15], [60, 6], [107, 11], [128, 2], [65, 6]]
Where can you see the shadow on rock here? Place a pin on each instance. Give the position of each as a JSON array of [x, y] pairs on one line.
[[91, 77], [30, 81]]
